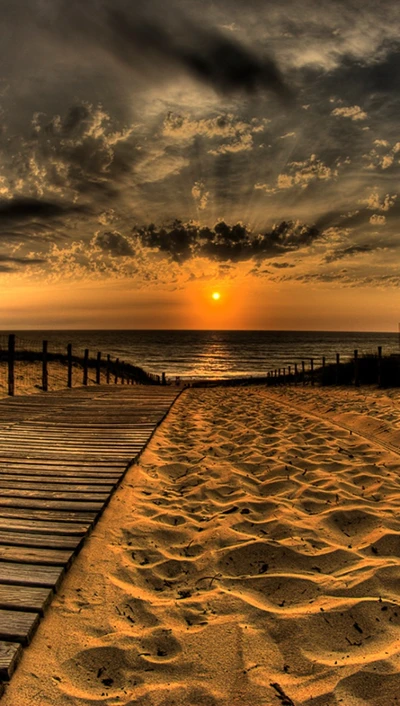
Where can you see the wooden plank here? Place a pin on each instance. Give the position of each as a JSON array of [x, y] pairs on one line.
[[61, 456], [89, 465], [69, 436], [57, 515], [28, 598], [18, 483], [61, 475], [30, 574], [36, 526], [10, 654], [31, 539], [18, 626], [36, 555], [66, 454], [83, 506], [8, 480], [76, 445], [74, 428], [28, 493]]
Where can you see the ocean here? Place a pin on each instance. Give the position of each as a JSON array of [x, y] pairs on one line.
[[213, 354]]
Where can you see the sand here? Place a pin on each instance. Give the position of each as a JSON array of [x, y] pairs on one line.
[[250, 558]]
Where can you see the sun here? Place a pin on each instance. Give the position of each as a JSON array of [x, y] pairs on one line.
[[216, 296]]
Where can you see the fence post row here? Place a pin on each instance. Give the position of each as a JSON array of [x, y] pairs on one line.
[[98, 363], [69, 363], [85, 366], [281, 375], [44, 368], [108, 369], [118, 369], [11, 364]]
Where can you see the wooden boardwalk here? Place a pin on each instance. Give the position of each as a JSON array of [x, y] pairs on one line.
[[61, 456]]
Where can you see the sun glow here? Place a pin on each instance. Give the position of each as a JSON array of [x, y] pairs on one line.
[[216, 296]]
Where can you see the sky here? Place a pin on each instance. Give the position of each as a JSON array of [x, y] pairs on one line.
[[150, 156]]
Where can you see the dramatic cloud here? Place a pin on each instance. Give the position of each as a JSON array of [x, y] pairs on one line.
[[21, 209], [377, 220], [224, 242], [374, 202], [115, 113], [383, 155], [137, 36], [354, 113], [300, 174], [114, 243]]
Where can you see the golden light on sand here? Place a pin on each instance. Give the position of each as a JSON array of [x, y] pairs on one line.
[[216, 296]]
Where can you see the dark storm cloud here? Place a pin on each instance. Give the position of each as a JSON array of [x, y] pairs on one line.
[[142, 42], [114, 243], [21, 209], [225, 242]]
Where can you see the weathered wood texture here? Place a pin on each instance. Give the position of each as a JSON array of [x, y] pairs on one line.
[[62, 454], [10, 653]]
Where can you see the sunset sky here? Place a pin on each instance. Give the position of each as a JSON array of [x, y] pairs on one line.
[[153, 155]]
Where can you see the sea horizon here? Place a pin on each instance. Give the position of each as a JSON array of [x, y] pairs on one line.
[[208, 353]]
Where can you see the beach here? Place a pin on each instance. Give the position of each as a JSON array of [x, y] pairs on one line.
[[251, 557]]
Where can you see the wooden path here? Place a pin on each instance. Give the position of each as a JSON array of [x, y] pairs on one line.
[[61, 456]]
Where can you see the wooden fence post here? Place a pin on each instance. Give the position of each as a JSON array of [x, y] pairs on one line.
[[303, 375], [69, 365], [289, 373], [11, 364], [122, 372], [312, 370], [295, 374], [356, 370], [337, 368], [98, 364], [379, 366], [163, 380], [116, 371], [85, 366], [284, 375], [44, 368], [108, 369]]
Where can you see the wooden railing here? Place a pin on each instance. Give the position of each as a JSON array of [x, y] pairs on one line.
[[27, 364], [370, 368]]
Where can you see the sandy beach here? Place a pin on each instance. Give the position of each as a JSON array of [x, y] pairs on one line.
[[251, 557]]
